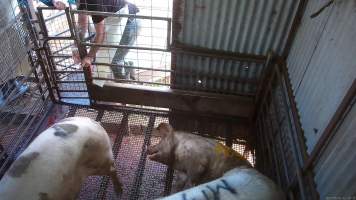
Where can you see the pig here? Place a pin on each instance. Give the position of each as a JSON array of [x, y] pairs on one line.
[[58, 161], [197, 159], [237, 184]]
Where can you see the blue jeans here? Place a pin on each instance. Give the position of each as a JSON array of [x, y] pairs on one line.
[[128, 38]]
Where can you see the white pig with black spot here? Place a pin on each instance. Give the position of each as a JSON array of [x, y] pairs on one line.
[[57, 162]]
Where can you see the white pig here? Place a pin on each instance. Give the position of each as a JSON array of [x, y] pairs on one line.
[[237, 184], [198, 159], [56, 163]]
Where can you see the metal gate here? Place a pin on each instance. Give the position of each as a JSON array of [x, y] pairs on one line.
[[70, 82]]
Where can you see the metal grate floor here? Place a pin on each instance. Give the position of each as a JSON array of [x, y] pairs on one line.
[[130, 132]]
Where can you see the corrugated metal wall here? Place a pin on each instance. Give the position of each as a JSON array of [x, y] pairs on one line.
[[322, 67], [322, 64], [217, 75], [245, 26], [242, 26], [335, 172]]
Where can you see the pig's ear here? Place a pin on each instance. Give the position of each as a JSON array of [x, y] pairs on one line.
[[164, 129]]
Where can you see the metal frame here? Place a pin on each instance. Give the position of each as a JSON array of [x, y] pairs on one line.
[[203, 103], [169, 22], [278, 99], [21, 120]]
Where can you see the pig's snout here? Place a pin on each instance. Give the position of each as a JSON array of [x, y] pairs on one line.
[[152, 149], [154, 153]]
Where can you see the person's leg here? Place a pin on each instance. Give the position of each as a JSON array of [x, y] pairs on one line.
[[128, 38]]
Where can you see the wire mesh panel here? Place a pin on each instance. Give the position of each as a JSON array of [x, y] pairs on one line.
[[59, 45], [146, 67], [135, 47], [135, 44], [23, 94], [279, 151]]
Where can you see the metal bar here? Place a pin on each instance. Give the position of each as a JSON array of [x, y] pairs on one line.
[[266, 140], [70, 72], [71, 25], [169, 27], [65, 47], [45, 75], [259, 146], [201, 102], [115, 148], [129, 81], [295, 149], [47, 48], [54, 16], [294, 29], [123, 47], [132, 67], [299, 136], [279, 141], [168, 181], [264, 75], [33, 67], [129, 108], [47, 38], [69, 67], [139, 173], [61, 60], [72, 90], [50, 62], [42, 23], [82, 52], [46, 8], [70, 81], [333, 124], [264, 91], [293, 106], [105, 179], [269, 137], [61, 56], [75, 97], [60, 33], [109, 14]]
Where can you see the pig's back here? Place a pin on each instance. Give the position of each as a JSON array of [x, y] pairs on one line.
[[216, 158], [50, 161]]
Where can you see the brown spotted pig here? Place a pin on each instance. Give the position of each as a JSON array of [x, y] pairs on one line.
[[198, 159], [57, 162]]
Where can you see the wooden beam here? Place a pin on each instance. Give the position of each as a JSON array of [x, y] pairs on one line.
[[196, 102]]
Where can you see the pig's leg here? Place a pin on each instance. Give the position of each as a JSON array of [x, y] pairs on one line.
[[109, 169], [197, 172], [181, 181], [115, 179]]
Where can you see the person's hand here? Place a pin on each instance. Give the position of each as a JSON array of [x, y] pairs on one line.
[[86, 62], [76, 56], [59, 4]]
